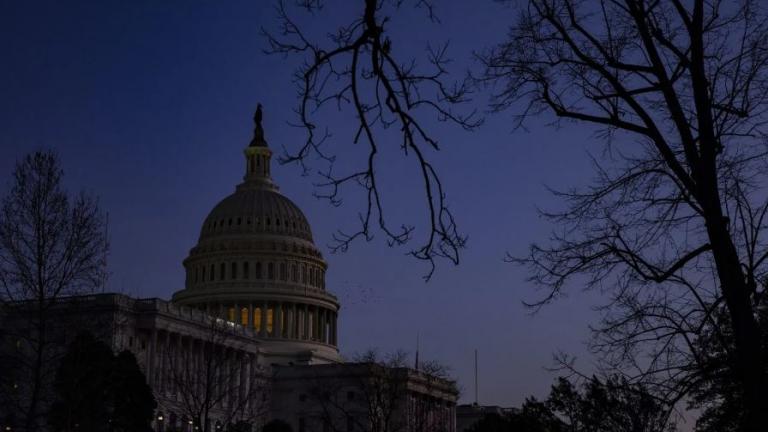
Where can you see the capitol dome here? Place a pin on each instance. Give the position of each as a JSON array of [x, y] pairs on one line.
[[255, 264]]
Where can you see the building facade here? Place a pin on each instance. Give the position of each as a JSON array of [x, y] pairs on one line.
[[252, 337]]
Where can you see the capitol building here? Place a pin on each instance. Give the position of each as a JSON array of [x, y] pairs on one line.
[[252, 338]]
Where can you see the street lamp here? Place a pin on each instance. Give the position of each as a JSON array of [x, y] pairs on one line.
[[160, 425]]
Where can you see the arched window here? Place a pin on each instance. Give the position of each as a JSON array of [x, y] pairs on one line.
[[222, 270], [202, 275], [197, 273], [312, 277], [283, 272], [294, 273], [270, 316], [246, 270], [213, 268], [258, 270], [271, 271], [234, 271], [231, 314], [303, 273]]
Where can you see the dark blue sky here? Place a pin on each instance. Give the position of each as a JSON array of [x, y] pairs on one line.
[[149, 105]]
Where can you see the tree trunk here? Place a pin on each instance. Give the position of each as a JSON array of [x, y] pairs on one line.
[[749, 352]]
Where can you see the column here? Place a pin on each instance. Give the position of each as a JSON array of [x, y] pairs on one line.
[[263, 319], [250, 316], [166, 362], [151, 354], [336, 329], [320, 327], [326, 326], [180, 363], [334, 317], [287, 320], [316, 317], [305, 326], [294, 322], [277, 320]]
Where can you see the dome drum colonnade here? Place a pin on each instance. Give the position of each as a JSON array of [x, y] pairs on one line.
[[256, 264]]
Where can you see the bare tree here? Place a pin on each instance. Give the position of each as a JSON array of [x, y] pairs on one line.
[[357, 69], [52, 245], [381, 394], [672, 227], [215, 384]]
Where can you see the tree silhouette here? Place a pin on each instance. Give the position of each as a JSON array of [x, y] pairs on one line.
[[675, 221], [374, 394], [210, 382], [357, 69], [612, 405], [132, 399], [52, 245], [98, 391], [277, 426], [672, 230]]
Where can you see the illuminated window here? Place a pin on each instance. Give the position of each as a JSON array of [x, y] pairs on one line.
[[244, 316], [231, 314], [257, 319], [270, 315]]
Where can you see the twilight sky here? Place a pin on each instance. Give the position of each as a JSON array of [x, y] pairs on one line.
[[149, 105]]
